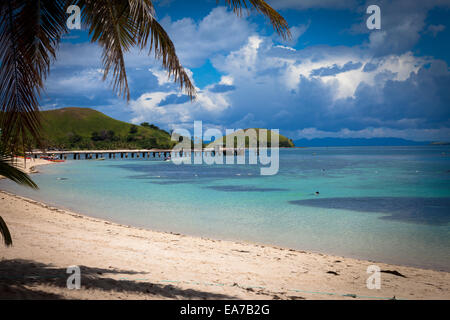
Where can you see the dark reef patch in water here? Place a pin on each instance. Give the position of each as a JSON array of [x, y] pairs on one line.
[[432, 211], [172, 182], [232, 188], [169, 171]]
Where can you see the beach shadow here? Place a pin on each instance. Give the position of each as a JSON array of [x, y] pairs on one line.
[[17, 278]]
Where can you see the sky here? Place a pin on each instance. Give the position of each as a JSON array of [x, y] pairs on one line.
[[334, 78]]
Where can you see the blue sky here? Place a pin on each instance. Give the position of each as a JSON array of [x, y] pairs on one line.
[[335, 78]]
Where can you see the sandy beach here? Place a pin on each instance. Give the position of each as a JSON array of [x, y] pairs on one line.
[[123, 262]]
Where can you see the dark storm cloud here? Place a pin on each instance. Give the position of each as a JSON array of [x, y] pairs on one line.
[[335, 69]]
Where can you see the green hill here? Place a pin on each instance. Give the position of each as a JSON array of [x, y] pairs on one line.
[[282, 140], [84, 128]]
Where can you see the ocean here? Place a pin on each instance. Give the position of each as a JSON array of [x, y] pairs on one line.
[[388, 204]]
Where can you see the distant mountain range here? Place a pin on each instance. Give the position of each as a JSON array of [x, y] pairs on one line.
[[347, 142]]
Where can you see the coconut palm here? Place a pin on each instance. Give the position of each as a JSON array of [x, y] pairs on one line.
[[31, 30]]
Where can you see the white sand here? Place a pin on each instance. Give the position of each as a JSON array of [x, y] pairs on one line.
[[121, 262]]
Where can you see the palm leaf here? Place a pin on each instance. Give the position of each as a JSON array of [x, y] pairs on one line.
[[142, 13], [277, 21], [118, 25], [8, 171], [29, 35], [109, 25]]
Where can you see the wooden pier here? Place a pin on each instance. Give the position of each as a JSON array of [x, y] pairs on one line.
[[131, 154]]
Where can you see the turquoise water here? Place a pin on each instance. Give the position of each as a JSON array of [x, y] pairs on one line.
[[389, 204]]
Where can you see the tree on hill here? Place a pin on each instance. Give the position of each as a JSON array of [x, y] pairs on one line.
[[74, 138], [148, 125], [104, 135], [133, 129]]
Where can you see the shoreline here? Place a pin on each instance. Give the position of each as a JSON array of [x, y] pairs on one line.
[[226, 270], [60, 208], [321, 286]]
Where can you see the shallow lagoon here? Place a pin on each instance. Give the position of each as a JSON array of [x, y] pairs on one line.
[[389, 204]]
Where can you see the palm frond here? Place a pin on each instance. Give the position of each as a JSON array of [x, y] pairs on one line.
[[110, 26], [9, 171], [118, 25], [278, 22], [142, 13], [29, 35]]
